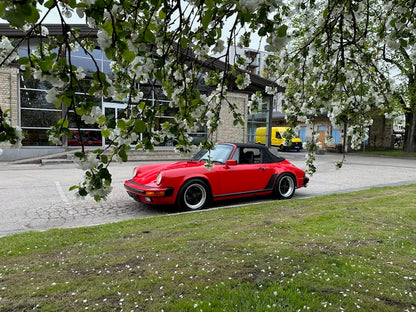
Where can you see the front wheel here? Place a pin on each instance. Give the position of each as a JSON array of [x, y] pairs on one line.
[[193, 195], [285, 186]]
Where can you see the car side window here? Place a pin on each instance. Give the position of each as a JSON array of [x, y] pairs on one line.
[[236, 155], [278, 136], [249, 156]]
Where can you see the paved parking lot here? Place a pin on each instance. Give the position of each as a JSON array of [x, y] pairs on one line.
[[34, 197]]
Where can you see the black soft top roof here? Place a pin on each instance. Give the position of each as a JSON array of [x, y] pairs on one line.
[[267, 155]]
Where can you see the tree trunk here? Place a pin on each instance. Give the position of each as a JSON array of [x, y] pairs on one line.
[[409, 145], [410, 131]]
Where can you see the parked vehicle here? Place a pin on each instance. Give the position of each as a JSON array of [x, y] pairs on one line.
[[89, 138], [277, 139], [231, 170]]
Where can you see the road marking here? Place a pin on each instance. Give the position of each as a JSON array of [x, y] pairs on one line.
[[61, 192]]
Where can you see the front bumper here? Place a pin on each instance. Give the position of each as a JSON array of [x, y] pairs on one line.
[[150, 194]]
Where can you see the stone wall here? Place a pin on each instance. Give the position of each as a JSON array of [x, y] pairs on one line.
[[227, 131], [381, 133], [9, 93]]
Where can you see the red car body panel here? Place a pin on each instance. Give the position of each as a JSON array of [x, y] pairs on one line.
[[226, 181]]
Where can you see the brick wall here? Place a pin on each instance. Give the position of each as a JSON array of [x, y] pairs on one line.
[[227, 131], [9, 93]]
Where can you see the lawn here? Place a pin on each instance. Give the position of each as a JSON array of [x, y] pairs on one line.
[[393, 153], [344, 252]]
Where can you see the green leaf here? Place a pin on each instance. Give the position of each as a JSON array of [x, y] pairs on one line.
[[403, 42], [49, 4], [105, 132], [149, 36], [108, 27], [184, 43], [262, 32], [206, 19], [121, 124], [123, 155], [129, 56], [282, 31], [74, 187], [104, 159], [162, 14], [140, 126]]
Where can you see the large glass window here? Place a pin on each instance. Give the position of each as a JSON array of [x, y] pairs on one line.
[[38, 116]]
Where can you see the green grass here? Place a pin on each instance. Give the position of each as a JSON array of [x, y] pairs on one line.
[[344, 252], [395, 153]]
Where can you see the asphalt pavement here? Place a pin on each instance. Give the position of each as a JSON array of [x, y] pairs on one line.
[[35, 197]]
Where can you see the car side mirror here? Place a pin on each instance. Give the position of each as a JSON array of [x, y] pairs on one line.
[[231, 162]]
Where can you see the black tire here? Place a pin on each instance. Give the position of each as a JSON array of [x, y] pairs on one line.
[[282, 148], [285, 186], [193, 195]]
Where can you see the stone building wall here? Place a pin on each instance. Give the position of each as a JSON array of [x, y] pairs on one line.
[[9, 93], [381, 133], [227, 131]]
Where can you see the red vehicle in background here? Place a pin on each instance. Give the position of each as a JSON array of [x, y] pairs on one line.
[[231, 170], [89, 138]]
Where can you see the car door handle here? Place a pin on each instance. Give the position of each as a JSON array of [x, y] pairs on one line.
[[261, 169]]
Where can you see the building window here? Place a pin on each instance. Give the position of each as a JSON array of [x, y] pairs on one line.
[[37, 116]]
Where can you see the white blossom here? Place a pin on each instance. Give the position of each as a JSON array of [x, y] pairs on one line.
[[219, 47], [250, 5], [44, 31], [6, 48], [103, 39], [52, 96], [93, 116], [245, 82], [88, 162], [80, 73]]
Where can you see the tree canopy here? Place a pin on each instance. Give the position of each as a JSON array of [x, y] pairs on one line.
[[344, 58], [352, 60]]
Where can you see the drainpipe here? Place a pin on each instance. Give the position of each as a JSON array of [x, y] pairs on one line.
[[10, 95], [269, 118]]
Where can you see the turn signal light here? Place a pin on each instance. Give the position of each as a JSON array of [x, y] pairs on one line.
[[155, 193]]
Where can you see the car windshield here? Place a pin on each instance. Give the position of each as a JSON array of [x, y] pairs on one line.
[[220, 154]]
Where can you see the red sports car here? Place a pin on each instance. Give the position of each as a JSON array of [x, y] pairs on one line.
[[231, 170]]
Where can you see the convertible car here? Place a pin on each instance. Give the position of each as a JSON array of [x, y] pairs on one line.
[[230, 170]]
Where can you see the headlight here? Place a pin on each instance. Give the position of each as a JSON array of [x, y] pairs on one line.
[[159, 178], [135, 171]]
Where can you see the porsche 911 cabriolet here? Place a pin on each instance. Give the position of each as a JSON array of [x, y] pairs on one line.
[[230, 170]]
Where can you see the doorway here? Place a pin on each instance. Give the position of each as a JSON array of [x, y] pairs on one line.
[[112, 112]]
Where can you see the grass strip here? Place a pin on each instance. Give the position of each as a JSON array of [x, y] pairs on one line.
[[343, 252]]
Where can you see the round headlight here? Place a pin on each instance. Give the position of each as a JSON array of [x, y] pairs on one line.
[[159, 178], [135, 171]]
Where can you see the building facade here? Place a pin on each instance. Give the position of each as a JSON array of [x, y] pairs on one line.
[[24, 98]]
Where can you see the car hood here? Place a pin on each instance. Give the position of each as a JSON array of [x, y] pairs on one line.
[[148, 173]]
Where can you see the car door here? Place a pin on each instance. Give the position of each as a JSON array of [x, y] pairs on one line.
[[250, 175]]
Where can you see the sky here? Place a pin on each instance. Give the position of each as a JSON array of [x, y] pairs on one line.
[[52, 18]]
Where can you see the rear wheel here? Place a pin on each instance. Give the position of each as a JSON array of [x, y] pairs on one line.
[[285, 186], [282, 148], [193, 195]]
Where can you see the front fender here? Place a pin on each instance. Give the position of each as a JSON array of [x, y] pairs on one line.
[[176, 178]]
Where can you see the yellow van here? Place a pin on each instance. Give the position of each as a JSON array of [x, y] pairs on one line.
[[277, 139]]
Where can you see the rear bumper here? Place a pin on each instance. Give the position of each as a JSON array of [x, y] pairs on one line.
[[305, 181]]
